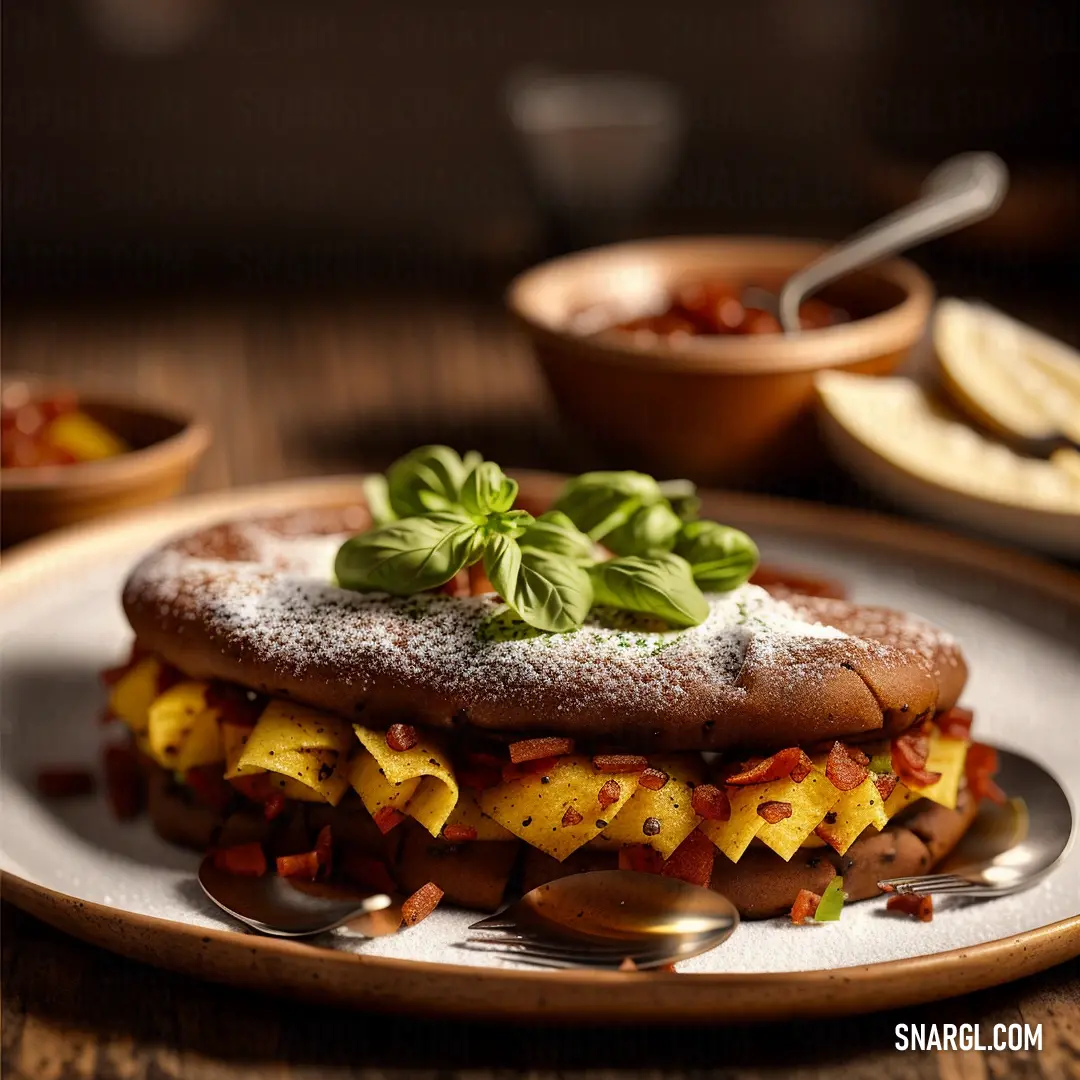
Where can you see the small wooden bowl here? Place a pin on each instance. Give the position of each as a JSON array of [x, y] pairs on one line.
[[165, 448], [726, 409]]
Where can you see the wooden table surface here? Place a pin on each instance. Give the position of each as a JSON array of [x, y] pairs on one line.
[[295, 386]]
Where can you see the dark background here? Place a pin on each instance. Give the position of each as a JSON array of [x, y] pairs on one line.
[[265, 140]]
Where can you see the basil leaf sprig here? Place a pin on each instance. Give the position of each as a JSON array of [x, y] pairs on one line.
[[409, 555], [437, 513], [428, 479], [661, 585], [720, 557]]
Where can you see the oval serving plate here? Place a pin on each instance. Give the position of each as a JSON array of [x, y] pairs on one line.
[[119, 886]]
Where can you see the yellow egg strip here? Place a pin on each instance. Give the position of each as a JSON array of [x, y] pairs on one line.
[[182, 730], [671, 806], [535, 811], [433, 795], [301, 745]]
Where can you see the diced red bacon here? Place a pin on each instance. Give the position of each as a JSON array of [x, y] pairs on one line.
[[781, 765], [979, 767], [59, 783], [125, 785], [401, 737], [806, 904], [209, 787], [366, 871], [653, 779], [642, 858], [304, 866], [324, 850], [692, 860], [459, 833], [531, 749], [921, 907], [248, 860], [421, 904], [620, 763], [842, 771], [571, 817], [711, 803], [774, 811], [909, 754], [955, 723], [274, 805], [609, 793], [387, 818], [860, 757], [886, 784]]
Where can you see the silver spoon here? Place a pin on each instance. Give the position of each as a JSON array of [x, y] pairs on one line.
[[1007, 848], [605, 917], [285, 907], [960, 191]]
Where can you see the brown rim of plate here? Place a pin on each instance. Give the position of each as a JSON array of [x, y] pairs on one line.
[[389, 984], [888, 331], [189, 441]]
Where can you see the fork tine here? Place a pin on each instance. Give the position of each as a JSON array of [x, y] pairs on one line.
[[501, 920], [556, 957], [966, 889], [919, 879], [554, 948]]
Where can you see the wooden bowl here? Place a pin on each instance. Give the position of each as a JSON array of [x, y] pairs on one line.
[[165, 448], [728, 409]]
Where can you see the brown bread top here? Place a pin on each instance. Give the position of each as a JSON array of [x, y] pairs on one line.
[[252, 602]]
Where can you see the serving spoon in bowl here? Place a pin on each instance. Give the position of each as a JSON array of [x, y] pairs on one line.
[[960, 191]]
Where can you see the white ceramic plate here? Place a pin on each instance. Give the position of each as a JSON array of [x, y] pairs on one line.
[[60, 623]]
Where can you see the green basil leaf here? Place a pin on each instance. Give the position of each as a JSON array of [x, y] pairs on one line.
[[426, 480], [377, 496], [555, 532], [512, 523], [659, 585], [548, 591], [409, 555], [553, 593], [683, 498], [650, 529], [721, 558], [502, 564], [598, 502], [488, 490]]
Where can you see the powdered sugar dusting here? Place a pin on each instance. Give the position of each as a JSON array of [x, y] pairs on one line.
[[279, 602]]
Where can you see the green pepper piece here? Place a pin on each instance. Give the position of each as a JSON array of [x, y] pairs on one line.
[[832, 901], [881, 763]]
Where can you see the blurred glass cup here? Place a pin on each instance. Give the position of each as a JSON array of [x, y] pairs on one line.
[[598, 148]]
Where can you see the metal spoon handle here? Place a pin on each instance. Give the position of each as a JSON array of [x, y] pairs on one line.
[[962, 190]]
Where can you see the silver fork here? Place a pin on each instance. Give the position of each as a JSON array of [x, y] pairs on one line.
[[1008, 847], [948, 884], [604, 918]]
